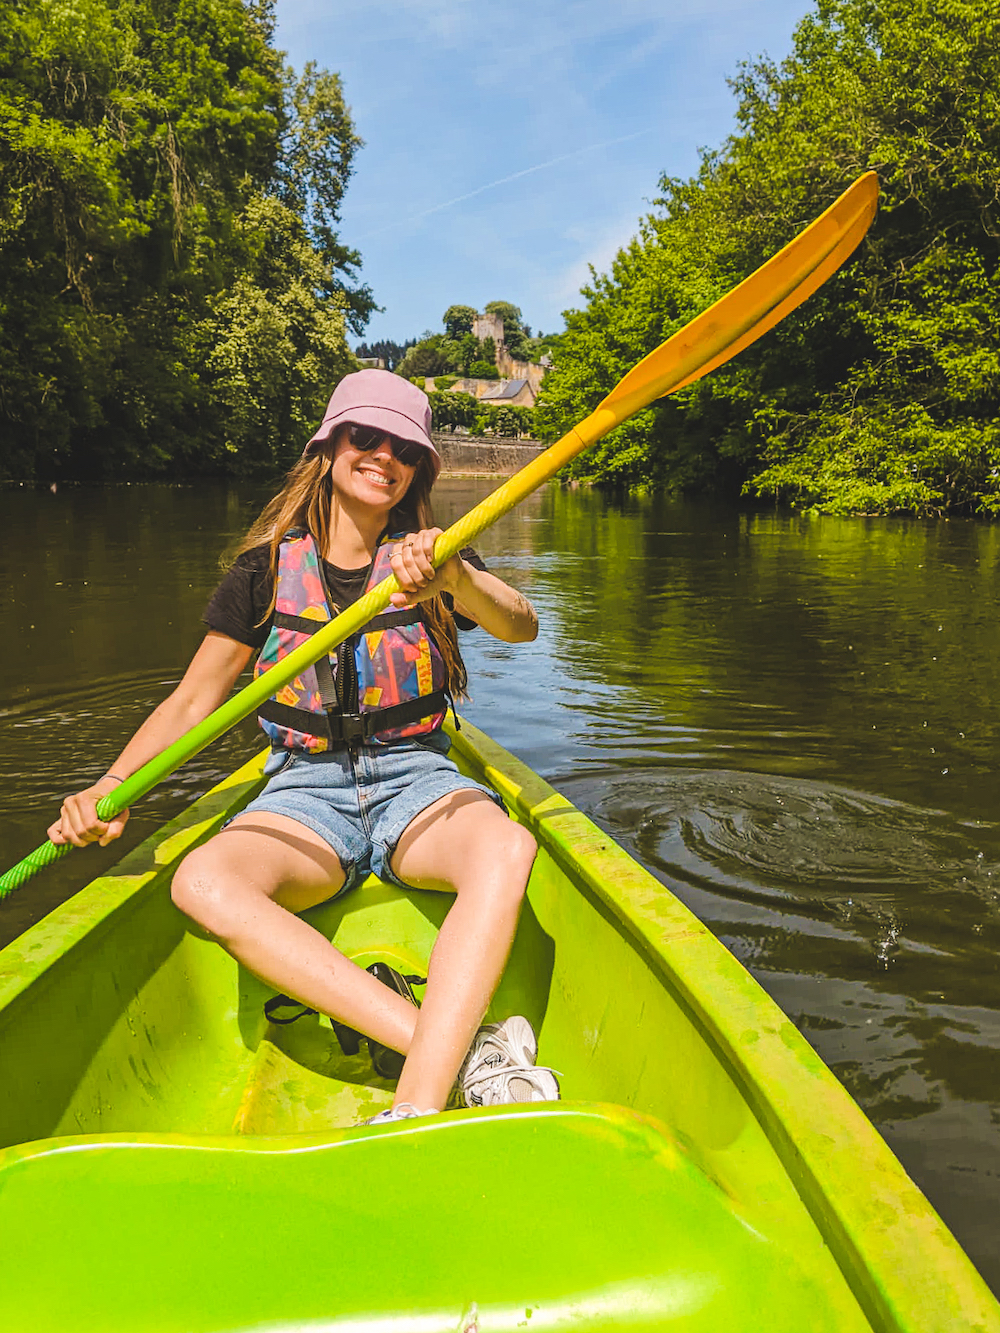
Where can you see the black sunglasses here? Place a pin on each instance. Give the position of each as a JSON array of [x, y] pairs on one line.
[[366, 438]]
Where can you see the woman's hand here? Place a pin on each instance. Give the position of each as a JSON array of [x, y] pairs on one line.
[[501, 610], [78, 821], [212, 673], [412, 563]]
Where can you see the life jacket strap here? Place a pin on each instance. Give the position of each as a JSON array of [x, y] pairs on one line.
[[348, 729], [327, 683], [408, 615]]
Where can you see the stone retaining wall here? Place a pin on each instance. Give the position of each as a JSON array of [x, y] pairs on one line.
[[484, 454]]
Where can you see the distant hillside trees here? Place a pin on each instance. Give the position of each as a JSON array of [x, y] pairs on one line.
[[451, 411], [426, 358], [485, 365], [515, 331], [389, 352], [458, 321], [457, 351], [883, 393], [174, 292]]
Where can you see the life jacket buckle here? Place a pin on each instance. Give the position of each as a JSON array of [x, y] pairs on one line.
[[352, 729]]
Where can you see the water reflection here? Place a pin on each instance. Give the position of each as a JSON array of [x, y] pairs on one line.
[[791, 722]]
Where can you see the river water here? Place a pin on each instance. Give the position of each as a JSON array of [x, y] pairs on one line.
[[790, 721]]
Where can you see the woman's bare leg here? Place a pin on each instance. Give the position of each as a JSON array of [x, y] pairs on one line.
[[243, 887], [463, 843]]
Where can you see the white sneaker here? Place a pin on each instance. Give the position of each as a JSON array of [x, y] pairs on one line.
[[404, 1111], [500, 1067]]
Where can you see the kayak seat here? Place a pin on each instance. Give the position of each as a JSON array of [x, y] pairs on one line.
[[510, 1218]]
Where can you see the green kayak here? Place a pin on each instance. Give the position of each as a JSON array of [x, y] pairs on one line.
[[173, 1161]]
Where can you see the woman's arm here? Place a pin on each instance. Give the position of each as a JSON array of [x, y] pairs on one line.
[[501, 610], [206, 684]]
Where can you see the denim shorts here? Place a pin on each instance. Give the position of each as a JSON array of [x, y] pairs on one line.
[[361, 803]]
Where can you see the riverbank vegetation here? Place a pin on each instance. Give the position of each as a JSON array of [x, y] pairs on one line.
[[174, 294], [460, 411], [882, 394]]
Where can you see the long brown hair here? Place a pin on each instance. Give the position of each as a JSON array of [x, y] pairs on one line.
[[306, 501]]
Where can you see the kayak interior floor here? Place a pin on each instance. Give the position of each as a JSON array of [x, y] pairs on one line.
[[301, 1082]]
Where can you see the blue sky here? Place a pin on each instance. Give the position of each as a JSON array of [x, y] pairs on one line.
[[509, 146]]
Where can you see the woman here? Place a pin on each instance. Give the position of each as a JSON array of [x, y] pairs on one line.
[[360, 777]]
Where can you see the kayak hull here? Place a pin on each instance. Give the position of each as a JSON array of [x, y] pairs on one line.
[[705, 1170]]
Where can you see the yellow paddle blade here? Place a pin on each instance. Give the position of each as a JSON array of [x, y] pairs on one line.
[[709, 340], [849, 242], [747, 312]]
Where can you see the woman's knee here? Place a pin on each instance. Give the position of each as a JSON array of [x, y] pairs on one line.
[[198, 890], [522, 849], [506, 862]]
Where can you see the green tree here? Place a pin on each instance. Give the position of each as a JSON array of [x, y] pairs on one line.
[[271, 345], [145, 160], [513, 422], [510, 314], [513, 326], [457, 320], [883, 392], [426, 358], [466, 351], [484, 367], [315, 165], [451, 410]]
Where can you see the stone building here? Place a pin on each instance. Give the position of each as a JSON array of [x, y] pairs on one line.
[[516, 392], [488, 326], [520, 380]]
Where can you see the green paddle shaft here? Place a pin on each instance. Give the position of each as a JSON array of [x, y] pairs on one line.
[[745, 313]]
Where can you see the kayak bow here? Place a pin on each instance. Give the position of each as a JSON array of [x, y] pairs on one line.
[[705, 1171]]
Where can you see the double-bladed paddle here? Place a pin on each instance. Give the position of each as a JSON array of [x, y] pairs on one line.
[[708, 341]]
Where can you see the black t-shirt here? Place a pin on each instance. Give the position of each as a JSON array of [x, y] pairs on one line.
[[239, 606]]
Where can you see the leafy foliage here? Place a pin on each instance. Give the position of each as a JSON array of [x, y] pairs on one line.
[[271, 349], [460, 410], [426, 358], [451, 410], [513, 422], [514, 331], [390, 352], [314, 168], [458, 320], [883, 393], [173, 291]]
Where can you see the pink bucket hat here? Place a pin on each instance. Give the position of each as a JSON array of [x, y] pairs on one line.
[[383, 400]]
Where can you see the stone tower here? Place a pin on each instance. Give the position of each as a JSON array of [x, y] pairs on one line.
[[488, 326]]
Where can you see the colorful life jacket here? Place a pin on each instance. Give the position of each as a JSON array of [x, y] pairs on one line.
[[386, 683]]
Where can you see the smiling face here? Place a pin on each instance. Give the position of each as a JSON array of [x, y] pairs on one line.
[[373, 478]]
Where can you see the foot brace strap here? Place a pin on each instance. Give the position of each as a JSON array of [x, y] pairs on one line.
[[388, 1063]]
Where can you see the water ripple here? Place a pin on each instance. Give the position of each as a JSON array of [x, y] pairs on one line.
[[789, 836]]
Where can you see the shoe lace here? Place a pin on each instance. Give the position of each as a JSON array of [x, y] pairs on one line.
[[473, 1079]]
